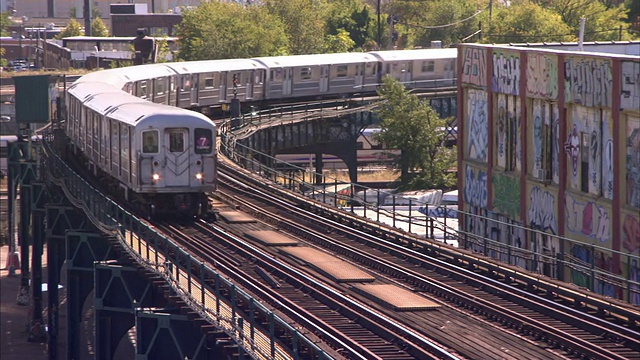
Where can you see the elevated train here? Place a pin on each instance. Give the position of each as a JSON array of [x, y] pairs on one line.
[[131, 127]]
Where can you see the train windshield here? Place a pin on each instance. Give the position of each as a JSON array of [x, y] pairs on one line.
[[203, 141], [150, 142]]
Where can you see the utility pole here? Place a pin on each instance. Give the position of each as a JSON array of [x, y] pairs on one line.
[[379, 28]]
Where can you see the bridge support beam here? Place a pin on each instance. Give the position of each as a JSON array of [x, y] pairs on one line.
[[82, 249], [59, 219]]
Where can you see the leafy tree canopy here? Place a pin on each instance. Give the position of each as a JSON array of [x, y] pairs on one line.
[[412, 126], [352, 16], [5, 21], [98, 28], [304, 23], [216, 30], [73, 29], [526, 22]]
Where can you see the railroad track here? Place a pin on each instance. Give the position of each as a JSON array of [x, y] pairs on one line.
[[573, 333]]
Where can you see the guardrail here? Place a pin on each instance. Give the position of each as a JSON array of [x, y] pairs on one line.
[[553, 263], [197, 284]]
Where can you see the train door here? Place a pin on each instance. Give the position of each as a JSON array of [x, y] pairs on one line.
[[223, 86], [405, 72], [287, 82], [359, 77], [194, 89], [173, 89], [249, 91], [324, 78], [176, 151]]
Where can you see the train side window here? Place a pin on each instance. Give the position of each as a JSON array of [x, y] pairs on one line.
[[342, 71], [203, 141], [428, 66], [159, 86], [208, 82], [150, 142], [305, 73], [176, 142]]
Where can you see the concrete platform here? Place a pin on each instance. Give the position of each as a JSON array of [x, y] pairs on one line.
[[395, 297], [271, 238], [236, 217], [334, 268]]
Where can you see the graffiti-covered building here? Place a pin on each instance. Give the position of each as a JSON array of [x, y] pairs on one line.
[[549, 160]]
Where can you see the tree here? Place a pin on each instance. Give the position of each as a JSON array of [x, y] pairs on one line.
[[5, 21], [602, 23], [339, 43], [526, 22], [351, 16], [98, 28], [412, 126], [304, 23], [73, 29], [216, 30]]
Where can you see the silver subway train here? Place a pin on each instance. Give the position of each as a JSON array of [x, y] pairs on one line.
[[130, 125]]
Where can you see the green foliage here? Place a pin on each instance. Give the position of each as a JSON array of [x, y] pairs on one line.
[[73, 13], [603, 23], [98, 28], [216, 30], [95, 12], [73, 29], [443, 20], [412, 126], [526, 22], [351, 16], [339, 43], [5, 21], [304, 23]]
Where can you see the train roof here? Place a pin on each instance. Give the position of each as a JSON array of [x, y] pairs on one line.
[[315, 59], [120, 76], [418, 54], [143, 114], [85, 90], [105, 101], [205, 66]]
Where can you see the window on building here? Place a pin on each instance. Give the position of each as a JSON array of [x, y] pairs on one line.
[[584, 161]]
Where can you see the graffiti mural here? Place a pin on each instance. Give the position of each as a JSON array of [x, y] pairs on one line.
[[506, 73], [478, 140], [581, 253], [608, 175], [633, 162], [516, 117], [506, 195], [475, 187], [542, 76], [542, 210], [586, 125], [587, 218], [588, 81], [631, 235], [630, 96], [634, 275], [604, 262], [502, 137], [555, 152], [474, 67], [539, 117]]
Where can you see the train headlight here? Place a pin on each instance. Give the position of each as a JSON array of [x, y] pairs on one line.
[[155, 177], [199, 176]]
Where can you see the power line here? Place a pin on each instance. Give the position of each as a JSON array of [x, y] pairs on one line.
[[478, 12]]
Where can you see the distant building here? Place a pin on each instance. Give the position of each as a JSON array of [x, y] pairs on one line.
[[549, 159]]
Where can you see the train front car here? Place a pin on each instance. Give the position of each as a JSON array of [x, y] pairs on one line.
[[176, 158]]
